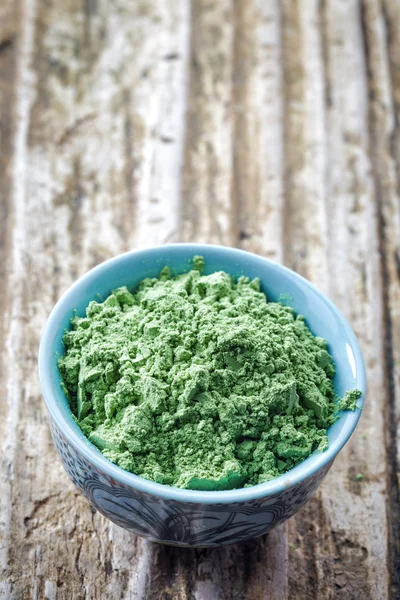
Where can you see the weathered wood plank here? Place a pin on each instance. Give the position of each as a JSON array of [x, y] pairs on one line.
[[159, 205], [257, 191], [7, 90], [380, 21], [330, 242], [12, 192], [206, 193], [304, 151], [355, 286], [7, 94]]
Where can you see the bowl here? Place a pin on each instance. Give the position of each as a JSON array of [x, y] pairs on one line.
[[184, 517]]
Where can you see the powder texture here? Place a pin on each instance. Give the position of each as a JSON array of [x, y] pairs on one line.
[[349, 400], [198, 381]]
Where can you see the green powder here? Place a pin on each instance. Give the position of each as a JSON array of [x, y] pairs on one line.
[[198, 382], [349, 400]]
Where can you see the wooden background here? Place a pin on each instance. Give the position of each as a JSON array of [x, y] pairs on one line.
[[264, 124]]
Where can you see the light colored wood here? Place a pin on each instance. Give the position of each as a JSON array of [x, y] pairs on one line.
[[341, 517], [207, 176], [382, 25], [257, 191], [272, 126]]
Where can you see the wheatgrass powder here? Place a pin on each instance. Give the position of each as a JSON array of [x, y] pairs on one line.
[[198, 382]]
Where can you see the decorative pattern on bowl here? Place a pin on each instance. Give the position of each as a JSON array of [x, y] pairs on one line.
[[181, 523]]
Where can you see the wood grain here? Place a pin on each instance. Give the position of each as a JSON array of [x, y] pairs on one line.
[[269, 126], [348, 255], [384, 121]]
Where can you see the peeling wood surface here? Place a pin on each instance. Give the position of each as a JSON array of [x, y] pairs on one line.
[[271, 126]]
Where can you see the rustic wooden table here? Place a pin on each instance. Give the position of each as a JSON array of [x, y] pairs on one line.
[[272, 126]]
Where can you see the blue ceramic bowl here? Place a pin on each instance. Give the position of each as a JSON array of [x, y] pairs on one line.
[[184, 517]]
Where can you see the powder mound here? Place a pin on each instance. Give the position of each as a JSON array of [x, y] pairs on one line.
[[197, 381]]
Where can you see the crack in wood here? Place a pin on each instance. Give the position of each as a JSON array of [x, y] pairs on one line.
[[74, 128], [6, 43]]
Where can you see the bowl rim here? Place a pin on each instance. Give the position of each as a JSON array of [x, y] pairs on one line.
[[284, 482]]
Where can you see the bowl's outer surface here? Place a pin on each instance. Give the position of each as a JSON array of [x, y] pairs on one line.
[[168, 514], [181, 523]]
